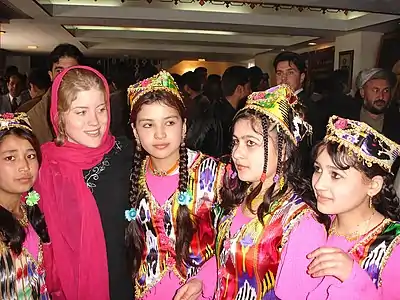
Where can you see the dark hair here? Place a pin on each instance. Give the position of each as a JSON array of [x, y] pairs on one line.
[[64, 50], [255, 75], [386, 201], [185, 223], [192, 80], [292, 58], [201, 70], [234, 191], [12, 232], [39, 78], [232, 78], [17, 75]]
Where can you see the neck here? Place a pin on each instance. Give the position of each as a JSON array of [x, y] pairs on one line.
[[10, 202], [372, 115], [164, 164], [348, 221], [233, 101]]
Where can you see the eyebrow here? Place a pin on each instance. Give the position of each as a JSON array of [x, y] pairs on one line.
[[15, 151], [149, 120], [86, 107], [247, 136]]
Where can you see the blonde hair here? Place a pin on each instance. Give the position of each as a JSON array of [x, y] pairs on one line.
[[73, 82]]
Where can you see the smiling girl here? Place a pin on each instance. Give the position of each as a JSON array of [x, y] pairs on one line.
[[23, 230], [169, 235], [84, 183], [353, 183], [266, 227]]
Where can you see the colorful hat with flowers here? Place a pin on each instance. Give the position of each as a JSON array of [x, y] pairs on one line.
[[278, 104], [17, 120], [163, 81], [360, 139]]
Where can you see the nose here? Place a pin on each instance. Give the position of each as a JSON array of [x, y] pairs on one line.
[[319, 182], [24, 165], [93, 119], [160, 134], [237, 152]]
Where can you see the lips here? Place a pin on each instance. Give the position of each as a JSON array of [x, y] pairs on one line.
[[26, 179], [93, 133], [160, 146], [240, 167], [323, 199]]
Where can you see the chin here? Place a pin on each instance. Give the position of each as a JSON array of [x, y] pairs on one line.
[[326, 209], [92, 143]]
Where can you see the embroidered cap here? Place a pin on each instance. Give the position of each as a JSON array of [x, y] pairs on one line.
[[277, 103], [360, 139], [163, 81], [16, 120]]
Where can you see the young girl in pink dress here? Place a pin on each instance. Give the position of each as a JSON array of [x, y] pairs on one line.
[[265, 204], [170, 235], [23, 230], [352, 183]]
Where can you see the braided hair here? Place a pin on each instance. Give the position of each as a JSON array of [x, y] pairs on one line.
[[185, 223], [288, 171]]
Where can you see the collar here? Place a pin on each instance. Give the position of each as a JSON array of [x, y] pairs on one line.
[[11, 98], [298, 91]]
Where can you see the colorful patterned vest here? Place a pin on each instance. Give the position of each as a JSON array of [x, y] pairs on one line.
[[373, 251], [22, 277], [248, 260], [159, 225]]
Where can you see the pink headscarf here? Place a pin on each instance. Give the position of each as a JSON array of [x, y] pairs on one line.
[[71, 212]]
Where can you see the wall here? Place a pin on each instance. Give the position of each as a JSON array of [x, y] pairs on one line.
[[23, 62], [212, 67]]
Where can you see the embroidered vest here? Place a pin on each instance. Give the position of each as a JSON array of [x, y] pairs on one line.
[[248, 261], [373, 251], [159, 225]]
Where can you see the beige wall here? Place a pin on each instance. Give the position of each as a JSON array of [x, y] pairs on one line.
[[212, 67]]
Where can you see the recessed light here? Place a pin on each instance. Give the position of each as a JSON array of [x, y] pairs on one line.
[[312, 44], [201, 59], [2, 32], [32, 47], [282, 49]]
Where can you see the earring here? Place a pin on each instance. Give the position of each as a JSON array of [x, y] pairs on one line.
[[138, 146], [370, 201]]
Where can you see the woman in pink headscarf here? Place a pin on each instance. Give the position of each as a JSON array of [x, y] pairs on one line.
[[84, 184]]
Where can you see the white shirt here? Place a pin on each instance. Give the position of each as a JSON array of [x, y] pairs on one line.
[[18, 99]]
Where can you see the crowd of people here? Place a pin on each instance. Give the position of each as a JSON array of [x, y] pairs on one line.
[[197, 186]]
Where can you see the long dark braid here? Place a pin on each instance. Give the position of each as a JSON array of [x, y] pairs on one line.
[[134, 236], [185, 224]]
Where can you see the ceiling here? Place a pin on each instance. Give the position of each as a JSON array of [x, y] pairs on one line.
[[187, 29]]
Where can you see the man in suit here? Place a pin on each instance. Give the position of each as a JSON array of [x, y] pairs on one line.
[[13, 99]]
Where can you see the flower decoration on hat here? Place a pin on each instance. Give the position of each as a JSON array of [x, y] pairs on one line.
[[362, 140], [17, 120], [32, 198], [278, 104], [163, 81]]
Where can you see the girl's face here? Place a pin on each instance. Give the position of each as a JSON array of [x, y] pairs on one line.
[[160, 129], [86, 120], [18, 164], [248, 151], [340, 191]]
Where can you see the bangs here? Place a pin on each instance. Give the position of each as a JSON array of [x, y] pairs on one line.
[[339, 154]]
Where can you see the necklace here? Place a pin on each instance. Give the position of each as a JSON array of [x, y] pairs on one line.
[[161, 173], [24, 220], [352, 235]]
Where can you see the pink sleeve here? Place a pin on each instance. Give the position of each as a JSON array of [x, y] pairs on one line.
[[292, 280], [208, 274], [359, 285]]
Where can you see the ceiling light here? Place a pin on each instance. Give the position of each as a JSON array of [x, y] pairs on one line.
[[143, 29], [32, 47], [201, 59], [282, 49], [312, 44], [2, 32]]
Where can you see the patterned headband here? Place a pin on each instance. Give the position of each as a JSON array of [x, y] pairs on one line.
[[163, 81], [276, 103], [369, 145], [17, 120]]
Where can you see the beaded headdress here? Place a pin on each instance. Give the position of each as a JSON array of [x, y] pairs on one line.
[[17, 120], [360, 139], [277, 103], [163, 81]]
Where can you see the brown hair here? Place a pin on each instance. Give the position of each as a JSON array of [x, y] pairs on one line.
[[185, 223], [74, 81]]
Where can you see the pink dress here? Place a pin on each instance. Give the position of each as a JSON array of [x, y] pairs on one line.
[[162, 188], [379, 254]]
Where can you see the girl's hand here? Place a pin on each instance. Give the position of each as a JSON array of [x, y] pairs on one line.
[[191, 290], [330, 262]]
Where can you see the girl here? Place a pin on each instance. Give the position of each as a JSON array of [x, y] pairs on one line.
[[265, 218], [23, 230], [352, 182], [84, 183], [173, 189]]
